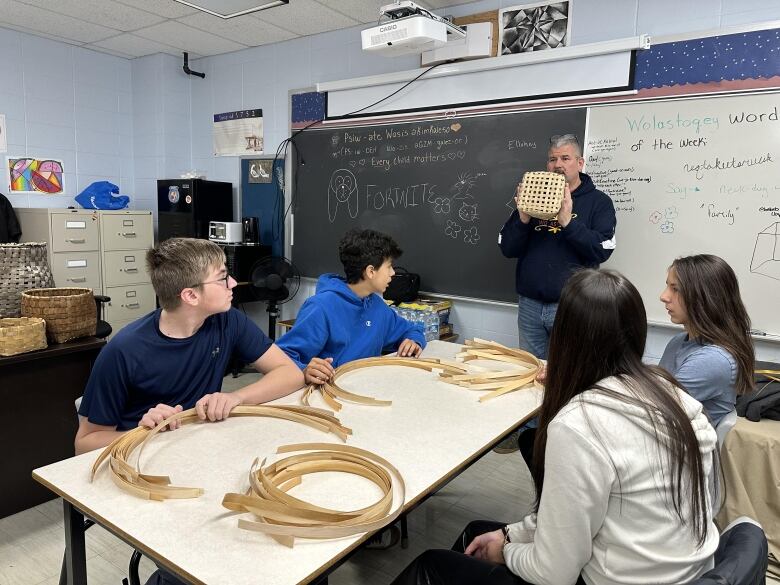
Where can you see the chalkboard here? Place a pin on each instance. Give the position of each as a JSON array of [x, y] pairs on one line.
[[442, 189], [694, 176]]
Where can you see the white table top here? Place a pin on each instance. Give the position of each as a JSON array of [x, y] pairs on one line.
[[430, 433]]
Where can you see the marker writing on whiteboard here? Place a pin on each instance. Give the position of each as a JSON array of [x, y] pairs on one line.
[[757, 332]]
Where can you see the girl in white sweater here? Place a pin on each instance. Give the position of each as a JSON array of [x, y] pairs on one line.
[[621, 464]]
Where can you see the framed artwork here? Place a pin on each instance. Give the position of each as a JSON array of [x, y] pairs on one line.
[[534, 27], [260, 170], [34, 175]]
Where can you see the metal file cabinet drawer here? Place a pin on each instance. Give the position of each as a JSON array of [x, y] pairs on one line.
[[127, 232], [80, 269], [124, 267], [74, 231], [129, 302]]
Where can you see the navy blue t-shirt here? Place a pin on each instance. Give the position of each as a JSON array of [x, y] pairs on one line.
[[141, 367]]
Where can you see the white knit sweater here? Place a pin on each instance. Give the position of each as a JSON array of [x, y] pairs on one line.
[[606, 509]]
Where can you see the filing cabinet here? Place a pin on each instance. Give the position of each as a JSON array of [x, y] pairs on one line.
[[101, 250]]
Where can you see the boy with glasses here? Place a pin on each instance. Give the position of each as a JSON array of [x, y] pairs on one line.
[[175, 357]]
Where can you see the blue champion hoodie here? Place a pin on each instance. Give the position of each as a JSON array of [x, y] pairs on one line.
[[337, 323], [547, 253]]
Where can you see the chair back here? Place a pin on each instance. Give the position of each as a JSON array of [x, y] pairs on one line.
[[741, 558]]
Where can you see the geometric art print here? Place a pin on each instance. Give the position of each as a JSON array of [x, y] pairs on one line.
[[534, 27], [33, 175]]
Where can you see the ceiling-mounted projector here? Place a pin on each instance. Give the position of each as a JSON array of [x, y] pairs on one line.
[[411, 30]]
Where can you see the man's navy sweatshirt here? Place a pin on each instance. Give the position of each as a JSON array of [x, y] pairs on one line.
[[547, 253]]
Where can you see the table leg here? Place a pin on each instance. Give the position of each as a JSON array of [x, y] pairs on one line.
[[75, 547]]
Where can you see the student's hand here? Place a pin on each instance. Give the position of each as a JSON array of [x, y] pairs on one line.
[[319, 371], [158, 414], [488, 547], [409, 348], [541, 376], [524, 217], [217, 406], [564, 215]]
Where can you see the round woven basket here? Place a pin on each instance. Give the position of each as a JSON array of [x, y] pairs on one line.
[[21, 334], [24, 266], [69, 312]]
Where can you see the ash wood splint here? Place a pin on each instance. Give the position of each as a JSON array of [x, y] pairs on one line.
[[285, 517], [331, 391], [156, 487], [500, 383]]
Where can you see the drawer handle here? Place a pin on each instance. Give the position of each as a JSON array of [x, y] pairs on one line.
[[128, 234], [76, 240], [133, 270], [133, 305], [79, 279]]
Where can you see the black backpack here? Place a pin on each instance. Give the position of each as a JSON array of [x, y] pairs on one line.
[[404, 287]]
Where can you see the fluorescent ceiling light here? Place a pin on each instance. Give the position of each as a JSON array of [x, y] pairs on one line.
[[231, 8]]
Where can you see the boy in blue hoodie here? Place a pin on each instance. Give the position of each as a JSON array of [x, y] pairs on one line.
[[347, 319]]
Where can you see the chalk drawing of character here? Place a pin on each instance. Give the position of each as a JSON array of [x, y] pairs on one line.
[[334, 140], [342, 190], [470, 235], [452, 229], [468, 212], [667, 227], [671, 212], [461, 188], [655, 217], [441, 205]]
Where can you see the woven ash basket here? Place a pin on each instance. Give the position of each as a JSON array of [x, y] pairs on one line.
[[69, 313], [541, 194], [21, 334], [22, 267]]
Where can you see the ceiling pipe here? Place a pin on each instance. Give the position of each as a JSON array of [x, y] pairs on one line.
[[189, 71]]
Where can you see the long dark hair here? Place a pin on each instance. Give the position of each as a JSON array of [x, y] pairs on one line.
[[716, 314], [599, 331]]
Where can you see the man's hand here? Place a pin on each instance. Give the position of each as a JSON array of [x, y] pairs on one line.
[[158, 414], [409, 348], [319, 371], [217, 406], [564, 215], [488, 547], [524, 217]]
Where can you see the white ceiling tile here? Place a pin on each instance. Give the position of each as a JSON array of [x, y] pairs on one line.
[[248, 31], [188, 39], [364, 11], [103, 12], [166, 8], [109, 51], [305, 17], [36, 33], [44, 21], [136, 46]]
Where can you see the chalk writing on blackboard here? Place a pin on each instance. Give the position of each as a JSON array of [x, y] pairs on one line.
[[342, 192]]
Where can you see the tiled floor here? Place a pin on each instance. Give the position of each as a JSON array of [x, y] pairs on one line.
[[497, 487]]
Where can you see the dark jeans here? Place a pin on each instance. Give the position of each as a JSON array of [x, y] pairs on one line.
[[452, 567]]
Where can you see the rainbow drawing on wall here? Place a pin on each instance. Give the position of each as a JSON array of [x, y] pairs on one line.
[[35, 175]]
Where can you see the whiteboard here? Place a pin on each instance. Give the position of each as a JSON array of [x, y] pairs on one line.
[[693, 176]]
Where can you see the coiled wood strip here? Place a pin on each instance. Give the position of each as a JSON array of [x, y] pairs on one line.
[[157, 487], [285, 517]]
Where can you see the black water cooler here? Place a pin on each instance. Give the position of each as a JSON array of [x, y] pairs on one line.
[[186, 206]]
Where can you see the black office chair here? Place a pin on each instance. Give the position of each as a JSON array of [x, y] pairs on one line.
[[103, 329]]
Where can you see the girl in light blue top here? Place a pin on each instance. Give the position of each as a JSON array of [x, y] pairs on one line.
[[713, 358]]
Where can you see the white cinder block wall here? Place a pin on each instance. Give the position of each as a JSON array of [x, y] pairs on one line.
[[133, 122]]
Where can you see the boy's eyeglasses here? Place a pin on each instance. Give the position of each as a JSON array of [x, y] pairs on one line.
[[223, 279], [563, 137]]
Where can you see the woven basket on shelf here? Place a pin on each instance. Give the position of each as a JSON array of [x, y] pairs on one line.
[[21, 334], [22, 267], [69, 312], [541, 194]]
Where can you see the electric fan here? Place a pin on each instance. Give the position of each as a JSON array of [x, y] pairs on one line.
[[275, 280]]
